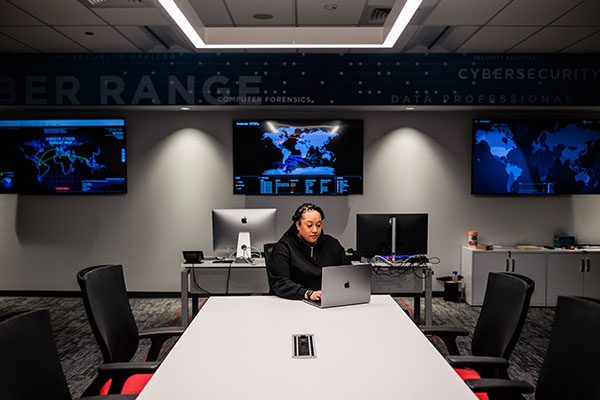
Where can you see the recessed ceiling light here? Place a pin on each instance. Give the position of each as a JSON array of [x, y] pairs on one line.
[[89, 33], [409, 108], [331, 7], [262, 16], [185, 109], [294, 37]]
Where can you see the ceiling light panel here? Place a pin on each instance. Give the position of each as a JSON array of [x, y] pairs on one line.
[[533, 12], [60, 12], [315, 12], [243, 11], [464, 12], [291, 37], [553, 39]]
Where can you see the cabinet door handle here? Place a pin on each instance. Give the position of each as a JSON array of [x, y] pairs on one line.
[[513, 265], [582, 265], [587, 265], [507, 261]]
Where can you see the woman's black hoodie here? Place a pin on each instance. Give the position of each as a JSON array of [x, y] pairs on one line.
[[295, 266]]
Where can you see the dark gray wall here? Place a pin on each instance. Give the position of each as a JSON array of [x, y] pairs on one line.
[[180, 167]]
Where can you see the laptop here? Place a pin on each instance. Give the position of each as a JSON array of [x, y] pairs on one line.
[[344, 285]]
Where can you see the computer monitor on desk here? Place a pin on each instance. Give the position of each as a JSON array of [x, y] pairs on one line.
[[243, 229], [375, 236]]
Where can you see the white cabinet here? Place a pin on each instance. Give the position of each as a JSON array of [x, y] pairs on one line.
[[532, 265], [476, 265], [565, 276], [475, 269], [591, 282], [572, 274]]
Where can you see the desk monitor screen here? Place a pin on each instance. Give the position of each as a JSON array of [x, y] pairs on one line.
[[374, 234], [235, 228], [298, 157]]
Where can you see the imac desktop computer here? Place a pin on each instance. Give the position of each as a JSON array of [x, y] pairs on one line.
[[397, 236], [243, 230]]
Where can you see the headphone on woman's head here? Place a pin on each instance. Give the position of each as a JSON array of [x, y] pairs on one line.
[[304, 207]]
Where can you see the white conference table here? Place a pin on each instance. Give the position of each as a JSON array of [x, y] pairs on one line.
[[241, 348]]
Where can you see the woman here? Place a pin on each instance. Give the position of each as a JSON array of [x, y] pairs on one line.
[[295, 265]]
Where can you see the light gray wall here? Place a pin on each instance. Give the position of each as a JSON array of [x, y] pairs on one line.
[[180, 167]]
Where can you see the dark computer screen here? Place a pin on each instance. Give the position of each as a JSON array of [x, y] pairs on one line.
[[84, 156], [298, 157], [535, 157], [374, 234]]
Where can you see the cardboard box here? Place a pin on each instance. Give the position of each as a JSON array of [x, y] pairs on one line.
[[483, 246]]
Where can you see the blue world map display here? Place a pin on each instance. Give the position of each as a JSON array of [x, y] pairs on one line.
[[303, 150], [297, 157], [536, 157], [56, 156]]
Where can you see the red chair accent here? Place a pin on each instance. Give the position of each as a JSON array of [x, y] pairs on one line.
[[467, 373], [133, 385]]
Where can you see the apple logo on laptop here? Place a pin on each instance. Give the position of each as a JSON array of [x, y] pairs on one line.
[[244, 220], [347, 285]]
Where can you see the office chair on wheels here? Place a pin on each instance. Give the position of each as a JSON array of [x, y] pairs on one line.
[[571, 367], [30, 367], [114, 327]]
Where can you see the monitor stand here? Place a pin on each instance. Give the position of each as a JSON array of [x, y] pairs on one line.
[[244, 251], [393, 223]]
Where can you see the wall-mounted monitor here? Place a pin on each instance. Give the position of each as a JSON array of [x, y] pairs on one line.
[[298, 157], [63, 156], [535, 157]]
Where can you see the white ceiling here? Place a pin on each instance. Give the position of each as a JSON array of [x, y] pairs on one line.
[[440, 26]]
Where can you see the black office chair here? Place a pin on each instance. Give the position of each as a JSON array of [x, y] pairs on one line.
[[268, 249], [571, 367], [114, 327], [30, 367], [497, 331]]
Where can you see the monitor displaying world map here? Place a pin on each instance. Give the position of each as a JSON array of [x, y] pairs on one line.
[[535, 157], [63, 156], [298, 157]]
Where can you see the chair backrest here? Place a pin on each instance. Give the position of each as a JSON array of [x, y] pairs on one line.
[[108, 311], [571, 367], [503, 314], [29, 366], [268, 249]]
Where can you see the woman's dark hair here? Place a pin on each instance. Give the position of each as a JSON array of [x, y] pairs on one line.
[[305, 207]]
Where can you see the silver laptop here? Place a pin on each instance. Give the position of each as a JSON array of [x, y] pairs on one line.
[[343, 285]]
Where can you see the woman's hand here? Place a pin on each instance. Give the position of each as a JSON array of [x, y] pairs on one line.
[[316, 295]]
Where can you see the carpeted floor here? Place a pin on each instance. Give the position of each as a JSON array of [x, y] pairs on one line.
[[80, 355]]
